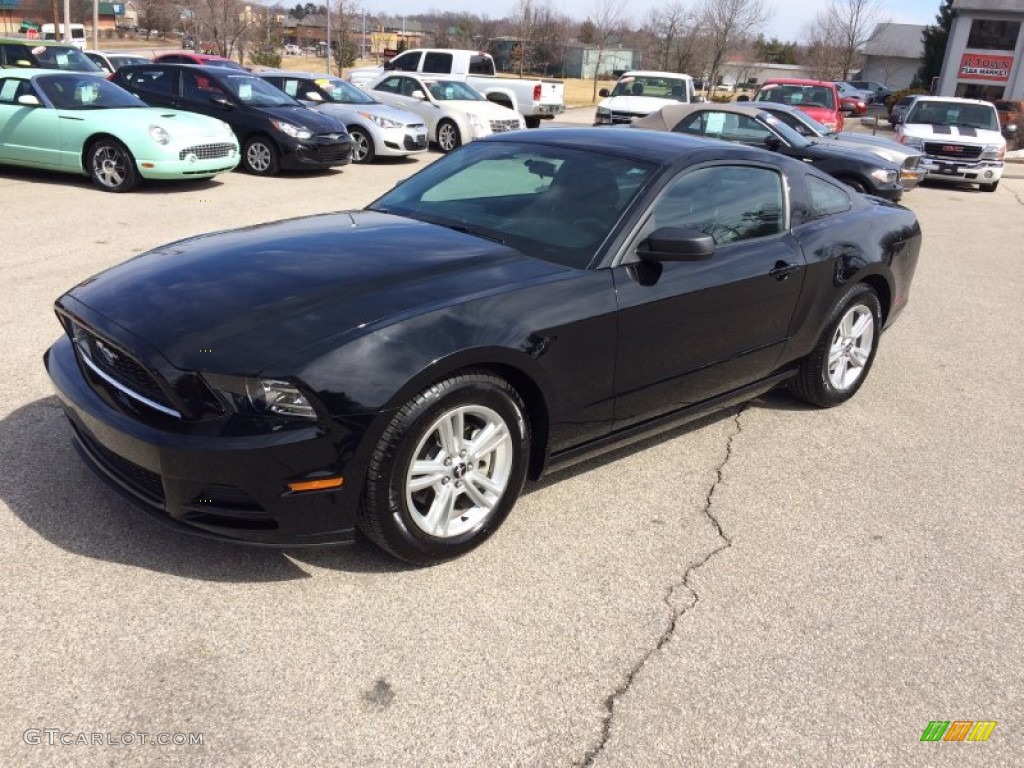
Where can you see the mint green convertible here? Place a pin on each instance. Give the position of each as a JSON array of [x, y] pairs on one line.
[[80, 123]]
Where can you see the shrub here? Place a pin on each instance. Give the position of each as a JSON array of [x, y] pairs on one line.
[[266, 57]]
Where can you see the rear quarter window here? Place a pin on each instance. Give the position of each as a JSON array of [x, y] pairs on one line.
[[826, 199]]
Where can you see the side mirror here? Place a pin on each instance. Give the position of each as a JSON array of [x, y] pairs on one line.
[[1012, 128], [743, 97], [418, 94], [604, 93], [388, 66], [772, 142], [29, 100], [676, 244]]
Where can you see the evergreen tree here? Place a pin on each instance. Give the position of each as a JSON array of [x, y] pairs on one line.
[[935, 37]]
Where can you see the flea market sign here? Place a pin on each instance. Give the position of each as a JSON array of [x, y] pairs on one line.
[[981, 66]]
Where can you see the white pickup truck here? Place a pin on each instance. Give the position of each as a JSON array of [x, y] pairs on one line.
[[535, 99]]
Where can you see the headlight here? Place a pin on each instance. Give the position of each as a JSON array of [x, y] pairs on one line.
[[912, 141], [993, 151], [383, 122], [262, 396], [479, 126], [225, 128], [159, 135], [291, 130], [280, 397], [882, 176]]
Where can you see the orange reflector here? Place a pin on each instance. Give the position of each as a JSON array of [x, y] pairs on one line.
[[317, 485], [147, 165]]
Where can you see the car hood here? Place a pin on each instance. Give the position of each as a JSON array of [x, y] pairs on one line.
[[961, 134], [234, 302], [485, 109], [635, 104], [345, 111], [877, 145], [174, 121], [306, 118], [826, 149]]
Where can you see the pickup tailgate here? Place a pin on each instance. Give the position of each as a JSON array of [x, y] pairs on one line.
[[552, 93]]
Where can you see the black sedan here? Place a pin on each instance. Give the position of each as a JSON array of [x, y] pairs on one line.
[[753, 125], [515, 307], [273, 129]]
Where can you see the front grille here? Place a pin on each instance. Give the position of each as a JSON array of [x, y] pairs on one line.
[[227, 497], [411, 142], [952, 151], [328, 153], [503, 126], [125, 373], [139, 479], [207, 151], [626, 117]]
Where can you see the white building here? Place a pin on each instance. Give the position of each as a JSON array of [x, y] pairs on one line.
[[985, 51], [893, 54]]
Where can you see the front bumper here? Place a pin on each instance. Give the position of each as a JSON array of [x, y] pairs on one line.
[[317, 152], [191, 160], [399, 142], [228, 488], [977, 172]]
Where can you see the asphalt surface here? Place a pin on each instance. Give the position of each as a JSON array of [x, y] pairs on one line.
[[774, 585]]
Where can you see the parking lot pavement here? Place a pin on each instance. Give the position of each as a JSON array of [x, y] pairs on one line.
[[772, 585]]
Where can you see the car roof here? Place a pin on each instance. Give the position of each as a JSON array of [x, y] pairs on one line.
[[658, 148], [795, 81], [673, 113], [211, 70], [654, 73], [957, 99], [300, 75]]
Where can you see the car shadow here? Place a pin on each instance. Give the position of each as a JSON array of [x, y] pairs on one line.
[[56, 178], [47, 486]]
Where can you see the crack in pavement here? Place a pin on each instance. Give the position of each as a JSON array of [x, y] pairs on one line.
[[675, 615]]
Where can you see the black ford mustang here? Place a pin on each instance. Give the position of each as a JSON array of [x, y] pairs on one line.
[[514, 307]]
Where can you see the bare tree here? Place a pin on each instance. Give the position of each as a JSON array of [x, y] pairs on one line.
[[727, 24], [838, 31], [607, 20], [674, 34]]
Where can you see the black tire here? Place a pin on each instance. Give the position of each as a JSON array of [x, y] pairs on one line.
[[855, 184], [111, 166], [533, 122], [260, 156], [448, 136], [814, 383], [363, 150], [989, 187], [397, 517]]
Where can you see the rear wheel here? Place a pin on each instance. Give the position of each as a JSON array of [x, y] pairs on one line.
[[448, 136], [840, 361], [260, 157], [447, 470], [111, 166], [362, 145]]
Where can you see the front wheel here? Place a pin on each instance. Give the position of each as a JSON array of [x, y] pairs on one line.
[[989, 187], [533, 122], [111, 166], [447, 470], [448, 136], [260, 156], [362, 146], [856, 185], [840, 361]]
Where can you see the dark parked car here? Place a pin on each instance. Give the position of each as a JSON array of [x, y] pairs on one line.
[[274, 130], [516, 306], [752, 125], [879, 91]]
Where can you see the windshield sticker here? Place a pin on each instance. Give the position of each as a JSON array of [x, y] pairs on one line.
[[62, 59]]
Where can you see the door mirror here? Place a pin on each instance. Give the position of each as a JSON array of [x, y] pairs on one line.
[[1011, 128], [388, 66], [604, 93], [772, 142], [676, 244], [29, 100], [418, 94]]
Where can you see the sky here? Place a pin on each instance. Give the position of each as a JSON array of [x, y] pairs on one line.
[[786, 23]]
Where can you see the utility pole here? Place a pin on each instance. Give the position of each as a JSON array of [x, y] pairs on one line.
[[67, 22]]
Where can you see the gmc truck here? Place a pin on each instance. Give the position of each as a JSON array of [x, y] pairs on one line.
[[534, 99], [960, 139]]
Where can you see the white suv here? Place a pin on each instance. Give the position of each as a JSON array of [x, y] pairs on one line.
[[960, 139]]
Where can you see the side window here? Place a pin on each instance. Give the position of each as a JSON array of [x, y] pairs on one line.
[[390, 85], [728, 202], [16, 55], [409, 86], [826, 198], [99, 61], [741, 128], [438, 62], [693, 125], [199, 87], [152, 80], [406, 62], [480, 65]]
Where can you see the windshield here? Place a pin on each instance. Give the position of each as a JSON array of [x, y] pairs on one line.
[[61, 57], [340, 92], [552, 203], [85, 92], [672, 88], [123, 61], [955, 113], [451, 90], [798, 95], [800, 122], [254, 92], [789, 135]]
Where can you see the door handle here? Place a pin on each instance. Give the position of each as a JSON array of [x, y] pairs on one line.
[[782, 269]]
